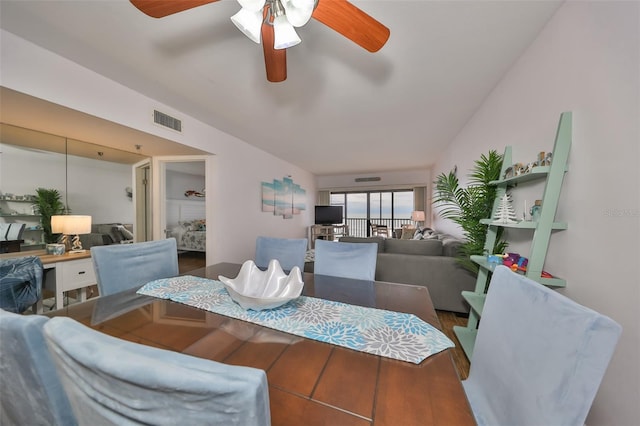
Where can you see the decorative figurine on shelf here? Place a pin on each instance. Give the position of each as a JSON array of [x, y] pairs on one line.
[[505, 213], [508, 173], [509, 259], [530, 167], [535, 210], [515, 262]]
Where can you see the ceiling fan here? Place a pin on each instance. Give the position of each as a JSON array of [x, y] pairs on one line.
[[273, 22]]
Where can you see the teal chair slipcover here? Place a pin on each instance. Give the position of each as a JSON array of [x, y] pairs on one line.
[[347, 260], [20, 283], [120, 267], [117, 382], [31, 392], [289, 252], [539, 357]]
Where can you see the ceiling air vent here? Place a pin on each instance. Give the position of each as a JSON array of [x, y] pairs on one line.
[[167, 121], [368, 179]]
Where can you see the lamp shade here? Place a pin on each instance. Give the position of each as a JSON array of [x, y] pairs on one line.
[[298, 11], [417, 216], [57, 224], [285, 35], [249, 22], [71, 224]]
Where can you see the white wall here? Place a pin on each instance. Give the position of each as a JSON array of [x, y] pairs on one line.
[[236, 169], [98, 188], [388, 180], [587, 61], [179, 182], [95, 188]]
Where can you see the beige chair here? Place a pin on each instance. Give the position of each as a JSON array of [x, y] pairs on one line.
[[379, 230]]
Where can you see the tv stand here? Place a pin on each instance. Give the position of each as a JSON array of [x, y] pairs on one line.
[[328, 232]]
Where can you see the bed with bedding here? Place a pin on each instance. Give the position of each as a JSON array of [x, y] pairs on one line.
[[187, 224], [191, 235]]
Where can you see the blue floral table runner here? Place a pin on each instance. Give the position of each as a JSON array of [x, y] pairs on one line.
[[376, 331]]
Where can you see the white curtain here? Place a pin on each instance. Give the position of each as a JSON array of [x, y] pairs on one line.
[[324, 198]]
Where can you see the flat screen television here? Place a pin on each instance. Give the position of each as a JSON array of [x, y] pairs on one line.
[[328, 215]]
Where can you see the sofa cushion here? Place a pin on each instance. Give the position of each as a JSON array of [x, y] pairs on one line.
[[379, 240], [113, 230], [419, 247]]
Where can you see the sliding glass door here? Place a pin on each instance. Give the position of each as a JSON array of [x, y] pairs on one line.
[[390, 208]]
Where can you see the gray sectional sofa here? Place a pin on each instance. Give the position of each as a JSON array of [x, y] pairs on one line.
[[427, 262], [107, 233]]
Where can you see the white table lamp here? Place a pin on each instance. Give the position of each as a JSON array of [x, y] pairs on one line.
[[418, 217], [72, 225]]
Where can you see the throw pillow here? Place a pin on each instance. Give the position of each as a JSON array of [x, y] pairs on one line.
[[407, 234]]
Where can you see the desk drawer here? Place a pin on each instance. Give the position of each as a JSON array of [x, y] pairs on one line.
[[76, 274]]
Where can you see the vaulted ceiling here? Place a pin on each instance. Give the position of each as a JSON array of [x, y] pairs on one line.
[[340, 110]]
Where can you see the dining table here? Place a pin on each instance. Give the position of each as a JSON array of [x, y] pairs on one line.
[[310, 382]]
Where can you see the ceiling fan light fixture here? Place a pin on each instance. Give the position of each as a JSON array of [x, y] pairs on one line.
[[285, 35], [249, 22], [298, 11]]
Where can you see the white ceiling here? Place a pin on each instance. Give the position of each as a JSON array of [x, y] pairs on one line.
[[341, 109]]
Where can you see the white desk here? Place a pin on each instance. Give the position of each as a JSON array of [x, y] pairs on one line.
[[73, 271]]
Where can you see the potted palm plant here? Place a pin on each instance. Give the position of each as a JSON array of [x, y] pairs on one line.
[[467, 206], [48, 203]]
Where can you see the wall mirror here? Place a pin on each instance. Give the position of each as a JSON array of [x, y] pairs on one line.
[[87, 158], [91, 179]]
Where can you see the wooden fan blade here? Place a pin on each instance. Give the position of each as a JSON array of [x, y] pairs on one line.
[[275, 60], [162, 8], [353, 23]]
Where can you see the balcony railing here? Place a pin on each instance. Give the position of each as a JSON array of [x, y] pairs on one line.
[[360, 227]]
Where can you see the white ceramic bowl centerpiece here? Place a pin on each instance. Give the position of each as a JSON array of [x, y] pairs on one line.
[[258, 290]]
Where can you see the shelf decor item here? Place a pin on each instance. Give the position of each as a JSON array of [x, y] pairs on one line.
[[535, 210], [505, 212]]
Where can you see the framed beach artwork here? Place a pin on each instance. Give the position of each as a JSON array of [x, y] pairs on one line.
[[283, 197]]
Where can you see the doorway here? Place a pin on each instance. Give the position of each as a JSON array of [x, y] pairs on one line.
[[182, 205], [141, 193]]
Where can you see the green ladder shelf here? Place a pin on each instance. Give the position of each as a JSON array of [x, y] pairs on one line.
[[542, 228]]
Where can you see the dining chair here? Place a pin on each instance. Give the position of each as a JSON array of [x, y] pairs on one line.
[[539, 357], [289, 252], [120, 267], [20, 283], [114, 381], [32, 393], [347, 260]]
